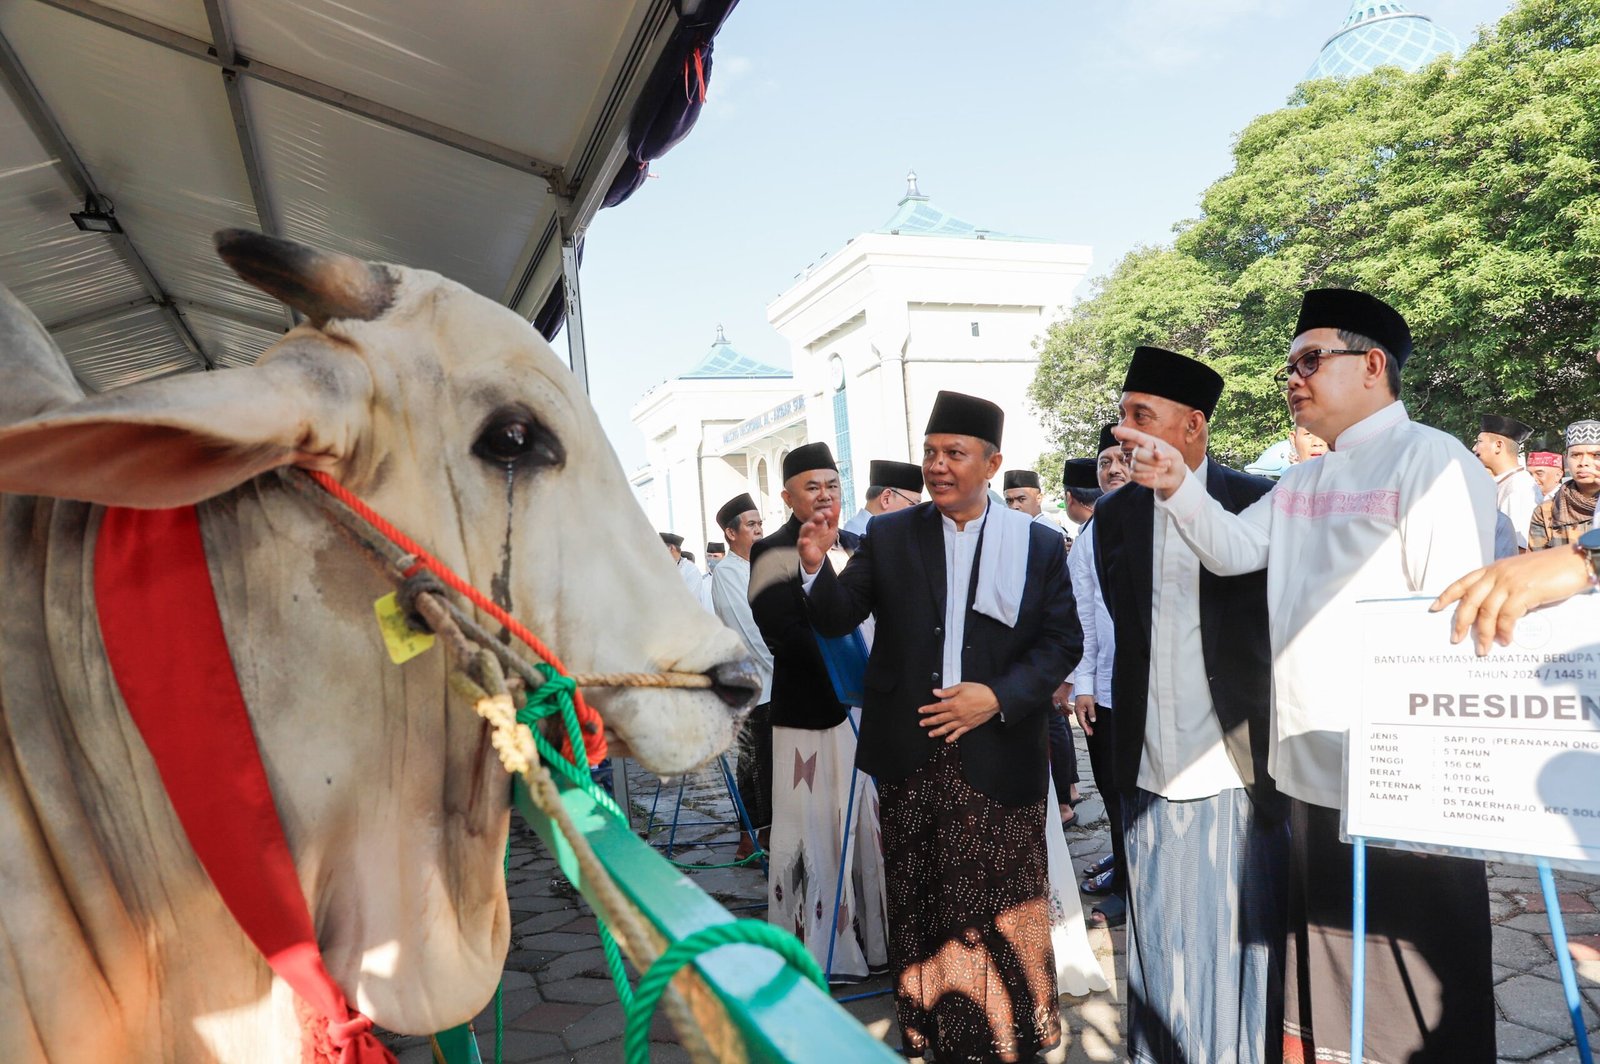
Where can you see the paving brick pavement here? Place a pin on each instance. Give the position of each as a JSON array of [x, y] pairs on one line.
[[560, 1006]]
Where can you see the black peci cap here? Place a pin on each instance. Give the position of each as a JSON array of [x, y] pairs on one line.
[[1157, 371]]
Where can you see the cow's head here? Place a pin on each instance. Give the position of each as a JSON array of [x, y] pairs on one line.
[[453, 418]]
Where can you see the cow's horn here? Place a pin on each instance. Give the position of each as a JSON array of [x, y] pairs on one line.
[[319, 284]]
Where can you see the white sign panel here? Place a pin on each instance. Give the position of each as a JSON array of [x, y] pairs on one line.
[[1496, 757]]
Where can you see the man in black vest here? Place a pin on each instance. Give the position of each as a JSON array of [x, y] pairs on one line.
[[975, 628], [1192, 689], [814, 751]]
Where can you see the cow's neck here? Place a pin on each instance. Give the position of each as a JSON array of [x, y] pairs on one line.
[[357, 753]]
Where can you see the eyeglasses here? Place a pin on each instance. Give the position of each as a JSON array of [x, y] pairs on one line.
[[1309, 362], [909, 500]]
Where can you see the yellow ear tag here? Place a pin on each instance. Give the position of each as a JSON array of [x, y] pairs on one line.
[[404, 642]]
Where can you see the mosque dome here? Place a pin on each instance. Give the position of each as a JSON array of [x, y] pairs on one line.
[[724, 362], [917, 215], [1381, 33]]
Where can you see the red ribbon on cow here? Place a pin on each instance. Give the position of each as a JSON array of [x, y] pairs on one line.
[[164, 640]]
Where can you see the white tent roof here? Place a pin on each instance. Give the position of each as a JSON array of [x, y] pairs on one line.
[[448, 136]]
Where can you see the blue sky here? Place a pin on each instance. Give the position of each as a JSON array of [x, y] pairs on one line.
[[1097, 122]]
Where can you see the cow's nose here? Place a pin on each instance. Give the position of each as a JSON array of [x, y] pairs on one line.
[[736, 683]]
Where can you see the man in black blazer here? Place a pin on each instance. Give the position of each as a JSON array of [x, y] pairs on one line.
[[976, 627], [814, 753], [1192, 688]]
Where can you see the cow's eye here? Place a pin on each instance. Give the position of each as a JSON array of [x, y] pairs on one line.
[[515, 437]]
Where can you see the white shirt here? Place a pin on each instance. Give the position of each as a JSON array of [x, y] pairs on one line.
[[1093, 674], [1517, 495], [695, 581], [1184, 756], [960, 551], [730, 600], [858, 523], [1396, 508], [1049, 522]]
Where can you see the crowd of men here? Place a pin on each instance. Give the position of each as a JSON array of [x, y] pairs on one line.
[[1201, 630]]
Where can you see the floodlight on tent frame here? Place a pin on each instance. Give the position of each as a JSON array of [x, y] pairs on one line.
[[98, 216]]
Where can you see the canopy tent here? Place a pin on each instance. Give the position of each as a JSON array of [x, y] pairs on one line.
[[476, 139]]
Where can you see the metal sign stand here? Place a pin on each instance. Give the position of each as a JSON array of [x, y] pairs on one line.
[[1358, 954]]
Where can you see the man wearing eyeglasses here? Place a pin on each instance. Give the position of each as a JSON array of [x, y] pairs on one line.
[[895, 486], [1394, 508]]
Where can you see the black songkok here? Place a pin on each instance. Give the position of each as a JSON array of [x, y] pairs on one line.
[[716, 548], [1079, 473], [903, 475], [1509, 427], [1357, 312], [1020, 478], [807, 457], [956, 414], [672, 539], [1157, 371], [739, 504], [1107, 441]]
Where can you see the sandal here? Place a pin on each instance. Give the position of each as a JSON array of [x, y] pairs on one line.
[[1111, 911]]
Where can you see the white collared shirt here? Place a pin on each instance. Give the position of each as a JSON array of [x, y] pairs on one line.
[[730, 599], [1395, 508], [1517, 495], [960, 551], [1184, 756], [1093, 674], [858, 523]]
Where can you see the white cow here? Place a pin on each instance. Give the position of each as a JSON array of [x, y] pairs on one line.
[[454, 419]]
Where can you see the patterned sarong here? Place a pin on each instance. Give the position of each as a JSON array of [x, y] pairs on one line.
[[969, 920], [1206, 911], [813, 772]]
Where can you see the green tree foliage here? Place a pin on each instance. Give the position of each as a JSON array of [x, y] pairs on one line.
[[1466, 194]]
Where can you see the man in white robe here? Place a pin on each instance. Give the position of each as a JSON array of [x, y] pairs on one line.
[[1517, 493], [1394, 508], [741, 522]]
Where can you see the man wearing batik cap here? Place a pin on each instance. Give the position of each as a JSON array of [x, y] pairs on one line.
[[1570, 512], [814, 748], [975, 629], [893, 486], [1192, 686], [1499, 447], [1393, 509], [740, 521], [1546, 468]]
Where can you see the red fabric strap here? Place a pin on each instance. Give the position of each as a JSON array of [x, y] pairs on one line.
[[164, 640]]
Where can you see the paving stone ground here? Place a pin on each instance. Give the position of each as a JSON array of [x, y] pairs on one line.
[[559, 1005]]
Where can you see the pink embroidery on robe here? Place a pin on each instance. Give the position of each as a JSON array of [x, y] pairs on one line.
[[1380, 504]]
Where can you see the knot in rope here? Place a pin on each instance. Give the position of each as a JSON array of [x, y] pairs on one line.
[[553, 696]]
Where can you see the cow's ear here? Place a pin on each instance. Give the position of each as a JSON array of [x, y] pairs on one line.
[[322, 285], [37, 377], [181, 439]]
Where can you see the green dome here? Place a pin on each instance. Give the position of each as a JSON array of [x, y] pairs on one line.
[[917, 216], [723, 361], [1381, 33]]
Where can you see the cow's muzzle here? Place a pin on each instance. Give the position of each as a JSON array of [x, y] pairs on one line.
[[736, 682]]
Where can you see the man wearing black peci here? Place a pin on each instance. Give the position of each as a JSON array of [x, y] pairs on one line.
[[814, 750], [976, 628], [1192, 686]]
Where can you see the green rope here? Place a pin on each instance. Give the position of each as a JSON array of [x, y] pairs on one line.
[[635, 1042], [552, 698]]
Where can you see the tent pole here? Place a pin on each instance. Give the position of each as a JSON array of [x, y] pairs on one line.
[[577, 349]]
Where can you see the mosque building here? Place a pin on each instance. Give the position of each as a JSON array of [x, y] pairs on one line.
[[924, 302], [1382, 33]]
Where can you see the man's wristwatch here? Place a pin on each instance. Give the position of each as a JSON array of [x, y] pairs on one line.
[[1589, 546]]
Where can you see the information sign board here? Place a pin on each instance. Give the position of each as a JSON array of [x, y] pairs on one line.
[[1495, 757]]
